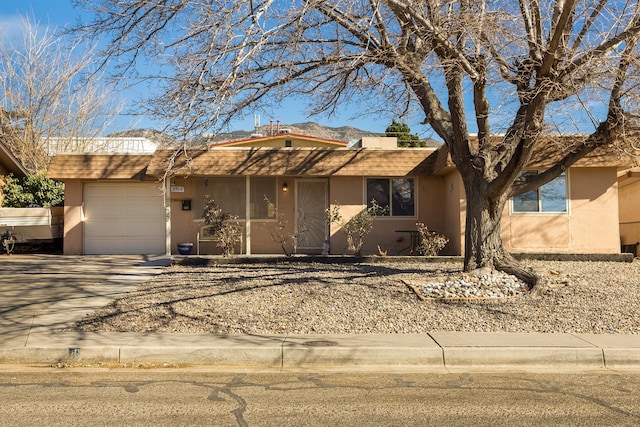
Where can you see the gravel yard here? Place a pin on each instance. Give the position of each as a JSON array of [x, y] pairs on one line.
[[298, 298]]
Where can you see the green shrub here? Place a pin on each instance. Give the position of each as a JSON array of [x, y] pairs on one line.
[[34, 189]]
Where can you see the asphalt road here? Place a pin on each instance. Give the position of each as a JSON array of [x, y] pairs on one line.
[[63, 397]]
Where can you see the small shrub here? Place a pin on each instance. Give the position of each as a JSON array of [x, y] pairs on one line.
[[278, 230], [358, 226], [430, 243], [222, 226]]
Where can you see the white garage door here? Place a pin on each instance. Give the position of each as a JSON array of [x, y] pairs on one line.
[[123, 218]]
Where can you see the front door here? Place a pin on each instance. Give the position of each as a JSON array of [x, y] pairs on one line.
[[311, 204]]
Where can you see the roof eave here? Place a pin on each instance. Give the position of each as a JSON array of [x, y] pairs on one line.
[[11, 163]]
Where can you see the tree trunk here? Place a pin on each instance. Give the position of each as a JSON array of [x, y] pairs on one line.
[[483, 242]]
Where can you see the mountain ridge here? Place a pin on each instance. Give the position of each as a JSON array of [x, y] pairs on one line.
[[342, 133]]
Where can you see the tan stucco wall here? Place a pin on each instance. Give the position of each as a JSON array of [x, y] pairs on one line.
[[629, 205], [453, 207], [183, 226], [590, 225], [594, 210], [349, 193], [379, 142], [73, 228]]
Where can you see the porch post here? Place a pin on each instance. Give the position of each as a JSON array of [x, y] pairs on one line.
[[167, 212], [247, 215]]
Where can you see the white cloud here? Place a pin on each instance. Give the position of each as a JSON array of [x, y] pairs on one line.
[[11, 27]]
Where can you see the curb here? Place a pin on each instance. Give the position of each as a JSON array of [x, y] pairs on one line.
[[434, 351], [210, 260]]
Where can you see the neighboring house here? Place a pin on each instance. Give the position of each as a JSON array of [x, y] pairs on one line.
[[9, 164], [122, 145], [115, 203], [30, 224], [283, 138]]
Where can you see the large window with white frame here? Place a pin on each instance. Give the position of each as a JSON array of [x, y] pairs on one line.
[[397, 195], [548, 198]]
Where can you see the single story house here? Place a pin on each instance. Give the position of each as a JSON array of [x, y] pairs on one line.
[[119, 203]]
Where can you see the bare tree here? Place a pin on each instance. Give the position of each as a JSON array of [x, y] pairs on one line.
[[498, 67], [49, 95]]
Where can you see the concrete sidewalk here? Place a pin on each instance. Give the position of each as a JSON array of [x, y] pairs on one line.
[[39, 295]]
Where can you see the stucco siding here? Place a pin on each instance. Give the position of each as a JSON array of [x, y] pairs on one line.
[[536, 233], [73, 227], [183, 226], [348, 192], [589, 226], [594, 210], [453, 208], [629, 205]]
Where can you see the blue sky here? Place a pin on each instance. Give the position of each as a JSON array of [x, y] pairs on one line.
[[58, 13]]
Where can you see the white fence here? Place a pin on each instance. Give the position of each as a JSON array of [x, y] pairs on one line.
[[32, 224], [100, 145]]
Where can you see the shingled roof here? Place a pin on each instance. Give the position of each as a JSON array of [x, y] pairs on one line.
[[312, 162], [549, 151], [99, 166], [297, 161]]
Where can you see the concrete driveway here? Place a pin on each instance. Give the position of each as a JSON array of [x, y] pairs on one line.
[[49, 292]]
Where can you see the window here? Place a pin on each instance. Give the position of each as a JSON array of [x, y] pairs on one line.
[[551, 197], [395, 194], [227, 192], [230, 194], [262, 188]]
